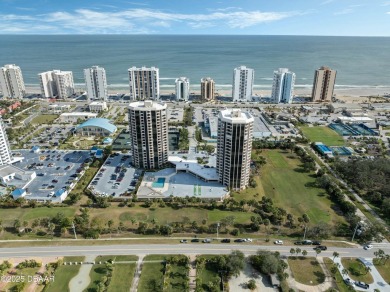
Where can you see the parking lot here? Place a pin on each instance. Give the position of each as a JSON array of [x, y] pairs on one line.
[[55, 170], [115, 177], [51, 134]]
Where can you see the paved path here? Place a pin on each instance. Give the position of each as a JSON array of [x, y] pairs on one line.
[[192, 273], [81, 280], [137, 274], [378, 283]]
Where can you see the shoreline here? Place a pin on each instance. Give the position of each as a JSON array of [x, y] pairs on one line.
[[340, 93]]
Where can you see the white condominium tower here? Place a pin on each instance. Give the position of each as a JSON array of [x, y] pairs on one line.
[[96, 83], [283, 86], [11, 81], [5, 149], [148, 134], [234, 146], [144, 83], [323, 86], [243, 83], [56, 83], [182, 88], [207, 88]]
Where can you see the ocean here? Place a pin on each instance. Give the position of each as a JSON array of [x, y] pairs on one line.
[[361, 62]]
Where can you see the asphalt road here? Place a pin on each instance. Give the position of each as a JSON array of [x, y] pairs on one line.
[[188, 249]]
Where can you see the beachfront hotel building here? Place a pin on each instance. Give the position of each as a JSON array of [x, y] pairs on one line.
[[323, 86], [243, 78], [207, 89], [96, 83], [5, 149], [283, 86], [11, 81], [234, 146], [144, 83], [182, 88], [148, 134], [57, 83]]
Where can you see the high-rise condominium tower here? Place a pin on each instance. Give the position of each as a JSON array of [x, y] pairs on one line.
[[182, 88], [243, 78], [283, 86], [11, 81], [144, 83], [96, 83], [323, 86], [5, 149], [57, 83], [148, 134], [234, 148], [207, 88]]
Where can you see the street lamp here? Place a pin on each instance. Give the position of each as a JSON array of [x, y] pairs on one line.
[[217, 229]]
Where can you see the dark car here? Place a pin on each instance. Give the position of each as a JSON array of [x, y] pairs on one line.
[[226, 240], [239, 240], [362, 285], [298, 243], [321, 247], [54, 181], [195, 240], [316, 242]]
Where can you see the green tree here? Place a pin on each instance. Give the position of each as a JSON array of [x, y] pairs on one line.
[[335, 255]]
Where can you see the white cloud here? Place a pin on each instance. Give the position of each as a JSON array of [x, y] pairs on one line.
[[387, 3], [138, 20], [344, 11], [327, 2]]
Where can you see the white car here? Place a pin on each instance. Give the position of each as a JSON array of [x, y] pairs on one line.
[[248, 239], [279, 242], [368, 246]]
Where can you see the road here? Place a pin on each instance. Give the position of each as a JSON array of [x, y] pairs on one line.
[[188, 249]]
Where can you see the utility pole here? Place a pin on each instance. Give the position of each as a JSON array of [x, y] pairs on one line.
[[217, 229], [354, 232], [304, 235], [74, 230]]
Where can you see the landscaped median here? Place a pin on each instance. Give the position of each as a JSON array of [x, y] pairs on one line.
[[383, 267], [330, 265], [306, 270], [357, 270]]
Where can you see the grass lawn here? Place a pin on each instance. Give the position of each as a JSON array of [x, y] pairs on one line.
[[64, 274], [123, 274], [356, 270], [306, 270], [43, 119], [341, 286], [323, 134], [84, 180], [282, 180], [206, 275], [25, 272], [177, 277], [152, 278], [97, 272], [383, 269]]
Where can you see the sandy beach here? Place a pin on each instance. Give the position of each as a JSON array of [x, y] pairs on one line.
[[346, 94]]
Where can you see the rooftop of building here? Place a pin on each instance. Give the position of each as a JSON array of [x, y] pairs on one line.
[[147, 105], [143, 68], [101, 103], [206, 172], [98, 122], [235, 116]]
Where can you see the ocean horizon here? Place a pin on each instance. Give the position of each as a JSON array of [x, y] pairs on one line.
[[360, 61]]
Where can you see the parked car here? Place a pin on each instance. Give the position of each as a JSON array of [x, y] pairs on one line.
[[183, 241], [298, 243], [206, 240], [195, 240], [362, 284], [226, 240], [239, 240], [307, 242], [316, 242], [279, 242], [349, 282]]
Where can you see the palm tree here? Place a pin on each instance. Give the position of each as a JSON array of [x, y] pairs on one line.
[[298, 251], [292, 251], [304, 253], [335, 255], [344, 272], [318, 251], [367, 269], [109, 224]]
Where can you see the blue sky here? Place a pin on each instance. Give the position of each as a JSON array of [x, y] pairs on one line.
[[259, 17]]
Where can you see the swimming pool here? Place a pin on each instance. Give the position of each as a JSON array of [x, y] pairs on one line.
[[159, 183]]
